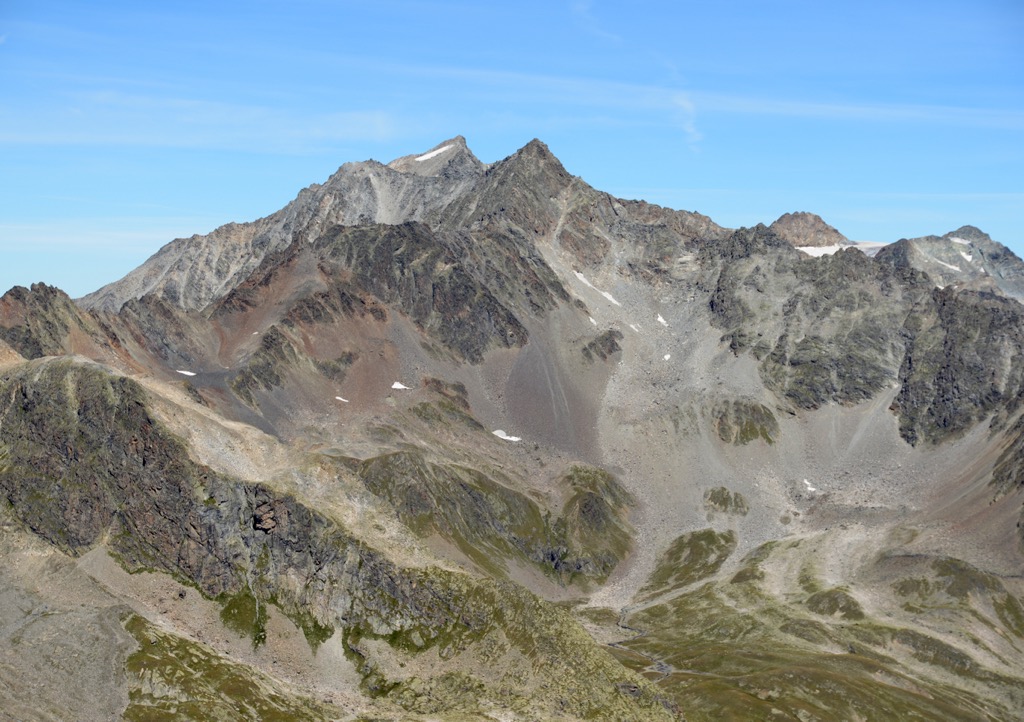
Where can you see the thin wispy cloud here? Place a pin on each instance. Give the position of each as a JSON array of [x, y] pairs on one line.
[[583, 15], [128, 233], [874, 112], [564, 90], [125, 119], [687, 114]]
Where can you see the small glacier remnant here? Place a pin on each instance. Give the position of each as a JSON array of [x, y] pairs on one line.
[[435, 152]]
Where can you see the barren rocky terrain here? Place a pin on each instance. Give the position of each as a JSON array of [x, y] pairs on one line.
[[452, 440]]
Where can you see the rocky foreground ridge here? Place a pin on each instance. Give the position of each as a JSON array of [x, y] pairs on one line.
[[449, 440]]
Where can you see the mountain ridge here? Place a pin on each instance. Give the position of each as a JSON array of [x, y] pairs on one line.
[[458, 422]]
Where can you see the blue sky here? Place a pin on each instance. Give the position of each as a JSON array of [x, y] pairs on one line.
[[125, 125]]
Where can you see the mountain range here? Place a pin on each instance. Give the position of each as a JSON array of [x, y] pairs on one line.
[[443, 439]]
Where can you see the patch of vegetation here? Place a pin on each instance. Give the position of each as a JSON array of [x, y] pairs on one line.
[[741, 422], [835, 601], [592, 524], [171, 677], [491, 523], [750, 569], [447, 412], [335, 369], [193, 393], [313, 630], [960, 579], [245, 615], [1011, 613], [603, 346], [731, 652], [720, 499], [689, 559], [808, 579]]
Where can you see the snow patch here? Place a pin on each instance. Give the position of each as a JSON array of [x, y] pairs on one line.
[[967, 256], [961, 241], [869, 248], [341, 399], [435, 152], [592, 320], [185, 373], [662, 321], [635, 328], [399, 385], [818, 251], [668, 356], [588, 284], [500, 433], [583, 278], [808, 485], [947, 265]]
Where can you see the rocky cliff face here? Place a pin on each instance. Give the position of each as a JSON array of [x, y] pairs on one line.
[[87, 461], [966, 257], [447, 440]]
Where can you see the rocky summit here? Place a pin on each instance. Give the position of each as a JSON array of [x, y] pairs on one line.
[[448, 440]]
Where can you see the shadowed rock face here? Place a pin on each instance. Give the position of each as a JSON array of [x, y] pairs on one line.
[[39, 321], [781, 485], [843, 328]]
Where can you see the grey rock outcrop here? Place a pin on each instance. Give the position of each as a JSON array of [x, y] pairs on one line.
[[967, 257]]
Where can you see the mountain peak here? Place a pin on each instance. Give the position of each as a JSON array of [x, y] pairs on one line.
[[969, 233], [966, 256], [537, 151], [806, 230], [447, 157]]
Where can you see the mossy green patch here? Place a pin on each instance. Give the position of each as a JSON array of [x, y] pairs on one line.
[[835, 602], [720, 499], [961, 579], [246, 615], [492, 523], [689, 559], [1011, 614], [749, 657], [171, 677], [603, 346], [445, 411], [336, 368], [741, 422]]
